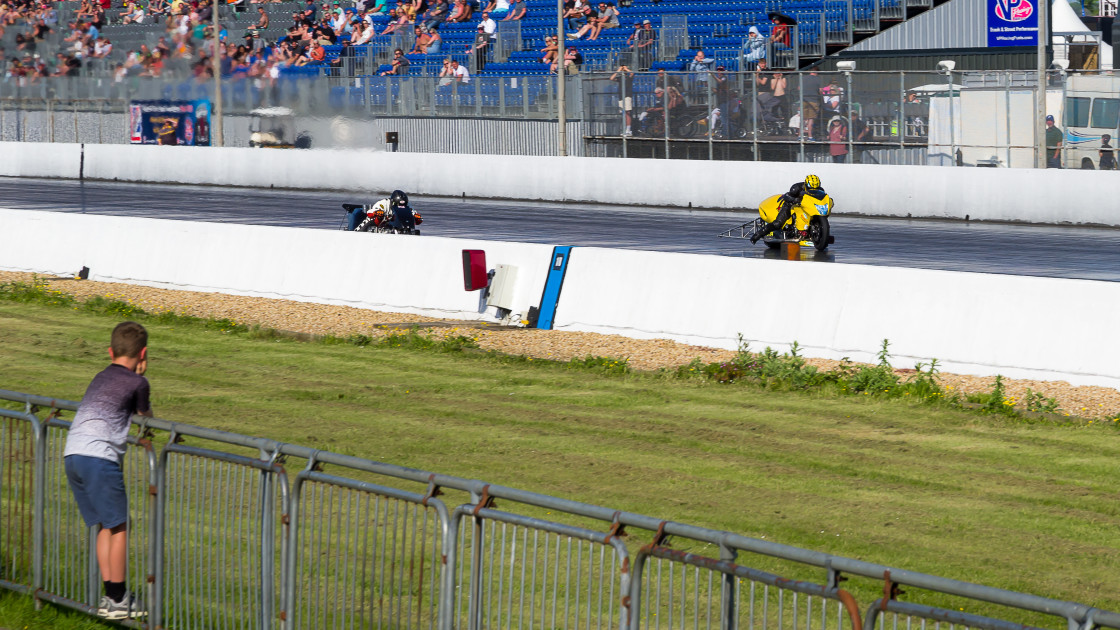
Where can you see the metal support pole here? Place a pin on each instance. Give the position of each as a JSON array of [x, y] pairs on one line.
[[218, 135], [1040, 95], [1007, 115], [952, 122], [730, 619], [902, 126], [561, 80], [801, 116], [851, 148]]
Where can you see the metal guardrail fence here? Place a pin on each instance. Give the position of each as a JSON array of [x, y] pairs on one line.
[[227, 538]]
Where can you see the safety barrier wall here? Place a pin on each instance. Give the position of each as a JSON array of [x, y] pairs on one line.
[[355, 543], [972, 323], [986, 324], [1028, 195], [378, 271]]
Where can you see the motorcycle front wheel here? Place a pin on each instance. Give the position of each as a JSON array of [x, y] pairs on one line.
[[819, 232]]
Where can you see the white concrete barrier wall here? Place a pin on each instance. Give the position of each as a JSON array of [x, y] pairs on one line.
[[972, 323], [1040, 196], [376, 271]]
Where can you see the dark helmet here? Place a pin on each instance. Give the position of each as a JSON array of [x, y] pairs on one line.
[[398, 199]]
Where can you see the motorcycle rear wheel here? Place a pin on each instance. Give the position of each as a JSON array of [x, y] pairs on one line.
[[819, 232]]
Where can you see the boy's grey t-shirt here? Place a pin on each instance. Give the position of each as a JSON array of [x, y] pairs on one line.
[[100, 428]]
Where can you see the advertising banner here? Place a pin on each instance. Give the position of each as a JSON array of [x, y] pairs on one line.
[[1013, 22], [169, 122]]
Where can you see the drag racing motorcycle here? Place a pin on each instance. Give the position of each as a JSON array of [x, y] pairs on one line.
[[381, 220], [808, 223]]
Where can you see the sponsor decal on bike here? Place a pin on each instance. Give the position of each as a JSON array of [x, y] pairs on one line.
[[822, 208]]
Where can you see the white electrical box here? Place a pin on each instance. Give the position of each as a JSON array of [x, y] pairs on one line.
[[501, 287]]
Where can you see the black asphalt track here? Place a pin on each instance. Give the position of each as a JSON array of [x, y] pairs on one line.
[[1033, 250]]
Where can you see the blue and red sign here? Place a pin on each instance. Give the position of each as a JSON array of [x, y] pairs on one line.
[[169, 122], [1013, 22]]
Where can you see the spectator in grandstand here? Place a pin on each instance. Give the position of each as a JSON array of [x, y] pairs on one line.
[[810, 101], [624, 76], [517, 11], [480, 48], [578, 14], [642, 45], [461, 12], [726, 101], [1107, 156], [397, 20], [701, 67], [435, 42], [551, 47], [605, 17], [459, 73], [860, 132], [754, 48], [95, 446], [399, 64], [496, 6], [437, 14], [134, 14], [573, 59], [779, 32], [664, 80], [420, 46], [157, 8], [771, 89], [832, 98], [838, 139], [1054, 137], [489, 25], [376, 7]]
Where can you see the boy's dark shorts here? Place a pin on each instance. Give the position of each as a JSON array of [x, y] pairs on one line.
[[98, 487]]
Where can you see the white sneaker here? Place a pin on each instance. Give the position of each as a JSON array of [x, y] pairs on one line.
[[627, 133], [130, 607]]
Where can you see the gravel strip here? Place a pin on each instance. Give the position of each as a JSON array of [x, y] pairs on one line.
[[325, 319]]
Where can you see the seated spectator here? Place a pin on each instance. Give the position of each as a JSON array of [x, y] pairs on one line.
[[461, 12], [400, 64], [551, 47], [496, 6], [157, 7], [578, 15], [605, 17], [755, 46], [437, 14], [377, 7], [517, 11], [489, 25], [135, 14], [421, 40], [435, 42], [573, 59]]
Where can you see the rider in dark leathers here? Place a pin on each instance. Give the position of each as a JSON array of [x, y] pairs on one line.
[[790, 200]]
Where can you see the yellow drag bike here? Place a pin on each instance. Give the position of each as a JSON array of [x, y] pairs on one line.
[[808, 223]]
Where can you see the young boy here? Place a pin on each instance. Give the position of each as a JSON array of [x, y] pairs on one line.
[[95, 447]]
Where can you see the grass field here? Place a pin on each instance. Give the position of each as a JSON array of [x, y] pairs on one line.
[[1029, 505]]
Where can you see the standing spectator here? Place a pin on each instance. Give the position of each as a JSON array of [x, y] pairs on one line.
[[838, 140], [810, 101], [755, 46], [480, 48], [701, 67], [1054, 137], [94, 448], [643, 46], [860, 133], [1108, 158], [624, 76]]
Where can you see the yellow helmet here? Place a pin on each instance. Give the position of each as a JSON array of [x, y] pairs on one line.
[[813, 182]]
